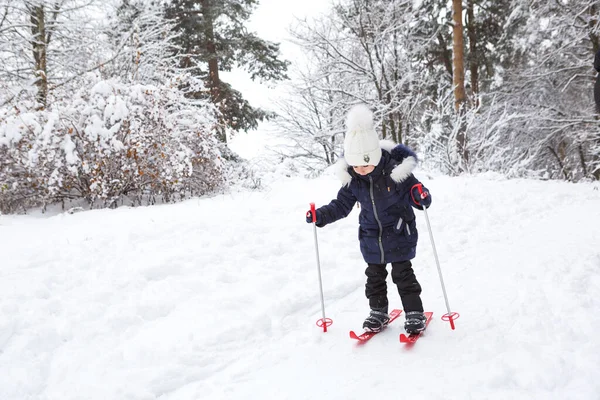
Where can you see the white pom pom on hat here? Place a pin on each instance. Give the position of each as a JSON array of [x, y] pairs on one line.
[[361, 144]]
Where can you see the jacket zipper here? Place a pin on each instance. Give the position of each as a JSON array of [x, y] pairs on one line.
[[376, 218]]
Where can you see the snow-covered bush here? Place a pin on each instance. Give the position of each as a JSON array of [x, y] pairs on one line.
[[110, 140]]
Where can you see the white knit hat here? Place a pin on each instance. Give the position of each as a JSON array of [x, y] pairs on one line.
[[361, 145]]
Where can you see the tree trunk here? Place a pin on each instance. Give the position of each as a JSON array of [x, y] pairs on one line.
[[596, 47], [445, 55], [39, 46], [473, 56], [459, 55], [582, 160], [560, 154], [213, 62], [459, 76], [592, 25], [214, 83]]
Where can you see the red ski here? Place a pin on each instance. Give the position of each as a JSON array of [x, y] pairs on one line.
[[368, 335], [412, 338]]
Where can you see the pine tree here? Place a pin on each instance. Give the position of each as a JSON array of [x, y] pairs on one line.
[[213, 38]]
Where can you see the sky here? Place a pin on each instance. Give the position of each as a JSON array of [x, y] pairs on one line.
[[271, 21]]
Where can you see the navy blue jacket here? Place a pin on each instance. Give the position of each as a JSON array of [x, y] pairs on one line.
[[387, 228]]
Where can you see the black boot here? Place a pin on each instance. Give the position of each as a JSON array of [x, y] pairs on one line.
[[415, 322], [376, 321]]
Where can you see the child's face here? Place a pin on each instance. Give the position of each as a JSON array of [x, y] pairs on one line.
[[364, 169]]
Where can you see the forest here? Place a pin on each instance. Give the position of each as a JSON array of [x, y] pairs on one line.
[[122, 101]]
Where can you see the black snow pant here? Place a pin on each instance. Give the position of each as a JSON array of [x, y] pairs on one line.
[[404, 278]]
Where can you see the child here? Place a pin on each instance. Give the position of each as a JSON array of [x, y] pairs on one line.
[[379, 176]]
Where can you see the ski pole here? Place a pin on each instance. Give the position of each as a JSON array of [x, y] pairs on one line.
[[323, 322], [450, 316]]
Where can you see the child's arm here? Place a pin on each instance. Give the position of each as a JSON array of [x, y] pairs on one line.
[[339, 207]]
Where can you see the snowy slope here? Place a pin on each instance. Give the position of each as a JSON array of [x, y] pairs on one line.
[[217, 298]]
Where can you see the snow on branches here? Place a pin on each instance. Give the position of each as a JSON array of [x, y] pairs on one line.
[[111, 141]]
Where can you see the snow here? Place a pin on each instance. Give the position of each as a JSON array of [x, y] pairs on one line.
[[217, 298], [103, 88], [12, 127], [417, 4], [69, 148]]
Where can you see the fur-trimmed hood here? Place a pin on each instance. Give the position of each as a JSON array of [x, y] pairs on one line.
[[406, 157]]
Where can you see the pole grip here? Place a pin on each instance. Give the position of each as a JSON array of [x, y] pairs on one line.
[[313, 212]]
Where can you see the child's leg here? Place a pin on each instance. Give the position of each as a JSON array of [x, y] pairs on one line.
[[376, 287], [408, 286]]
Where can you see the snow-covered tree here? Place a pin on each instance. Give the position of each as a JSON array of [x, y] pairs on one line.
[[213, 37], [127, 133], [109, 141], [543, 109], [362, 51], [45, 45], [527, 64]]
